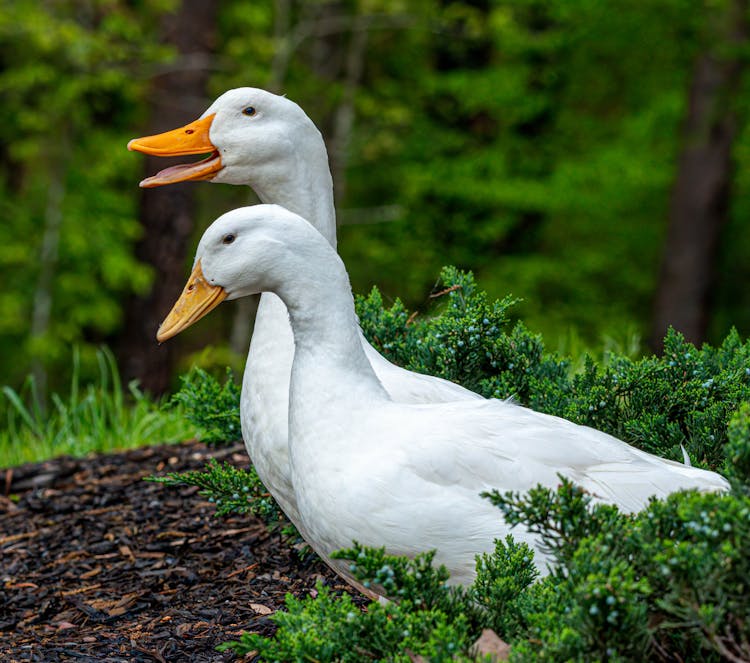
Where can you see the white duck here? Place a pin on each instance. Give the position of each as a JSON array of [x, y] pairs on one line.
[[405, 476], [266, 141]]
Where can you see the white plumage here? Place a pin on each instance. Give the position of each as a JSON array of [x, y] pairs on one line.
[[407, 476], [280, 153]]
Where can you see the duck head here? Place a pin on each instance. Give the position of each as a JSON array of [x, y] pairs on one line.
[[244, 252], [251, 136]]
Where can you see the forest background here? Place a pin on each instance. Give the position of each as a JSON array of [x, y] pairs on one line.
[[589, 157]]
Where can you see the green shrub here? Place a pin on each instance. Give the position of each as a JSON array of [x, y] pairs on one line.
[[504, 587], [427, 620], [669, 583], [685, 397], [468, 341], [213, 408], [737, 463], [231, 489], [415, 583]]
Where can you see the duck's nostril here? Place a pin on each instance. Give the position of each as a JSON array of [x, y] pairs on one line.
[[189, 131]]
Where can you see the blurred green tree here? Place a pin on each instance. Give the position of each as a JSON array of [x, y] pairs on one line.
[[536, 143], [71, 77]]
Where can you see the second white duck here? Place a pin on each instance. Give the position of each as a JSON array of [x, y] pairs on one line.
[[266, 141], [408, 477]]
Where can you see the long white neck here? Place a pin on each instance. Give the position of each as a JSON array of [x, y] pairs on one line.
[[315, 290], [304, 186]]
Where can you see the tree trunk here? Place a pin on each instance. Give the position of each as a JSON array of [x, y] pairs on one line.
[[700, 195], [48, 259], [167, 213], [343, 118]]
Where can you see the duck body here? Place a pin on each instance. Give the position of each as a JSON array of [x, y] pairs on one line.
[[407, 476], [278, 151], [410, 476]]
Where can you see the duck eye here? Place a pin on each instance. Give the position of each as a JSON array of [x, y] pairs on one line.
[[248, 110], [228, 239]]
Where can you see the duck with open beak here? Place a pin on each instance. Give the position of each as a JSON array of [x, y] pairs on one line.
[[193, 138]]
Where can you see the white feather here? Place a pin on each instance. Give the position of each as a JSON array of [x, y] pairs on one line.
[[281, 154], [406, 476]]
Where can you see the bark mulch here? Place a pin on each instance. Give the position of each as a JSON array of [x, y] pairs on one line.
[[98, 565]]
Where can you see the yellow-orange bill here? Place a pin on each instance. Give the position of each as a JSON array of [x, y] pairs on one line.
[[193, 138], [198, 298]]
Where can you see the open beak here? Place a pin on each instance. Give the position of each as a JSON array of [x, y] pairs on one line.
[[197, 299], [193, 138]]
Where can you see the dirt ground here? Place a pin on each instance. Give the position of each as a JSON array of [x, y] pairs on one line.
[[98, 565]]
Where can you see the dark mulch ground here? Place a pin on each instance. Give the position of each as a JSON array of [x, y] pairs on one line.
[[98, 565]]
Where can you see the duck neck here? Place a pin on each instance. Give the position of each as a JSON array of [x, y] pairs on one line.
[[328, 355], [305, 187]]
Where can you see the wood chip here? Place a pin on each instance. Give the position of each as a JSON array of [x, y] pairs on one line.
[[172, 581], [243, 570], [90, 574], [261, 609], [63, 625], [80, 590], [127, 552], [18, 537]]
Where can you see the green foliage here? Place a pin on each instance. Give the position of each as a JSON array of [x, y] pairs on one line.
[[212, 407], [693, 549], [591, 607], [332, 628], [526, 140], [667, 584], [737, 465], [670, 581], [464, 343], [414, 583], [657, 403], [97, 416], [550, 131], [685, 397], [504, 587], [467, 341], [231, 489], [72, 80], [560, 519]]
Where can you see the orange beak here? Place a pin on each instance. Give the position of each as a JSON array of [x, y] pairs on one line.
[[198, 298], [193, 138]]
